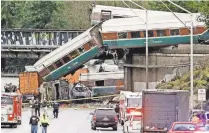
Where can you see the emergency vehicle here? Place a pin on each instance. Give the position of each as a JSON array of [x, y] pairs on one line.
[[11, 109], [129, 101], [133, 123]]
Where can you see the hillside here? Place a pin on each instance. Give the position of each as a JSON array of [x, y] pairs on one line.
[[201, 80]]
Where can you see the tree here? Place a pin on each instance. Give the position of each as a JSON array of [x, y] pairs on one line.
[[10, 13], [37, 14], [192, 6]]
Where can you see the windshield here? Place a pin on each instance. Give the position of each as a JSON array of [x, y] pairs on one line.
[[105, 112], [207, 116], [137, 118], [134, 102], [184, 127], [6, 100]]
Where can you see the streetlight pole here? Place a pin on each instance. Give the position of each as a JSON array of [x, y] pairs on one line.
[[191, 54], [147, 52]]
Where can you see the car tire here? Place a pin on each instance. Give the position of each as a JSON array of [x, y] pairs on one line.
[[115, 128], [93, 127]]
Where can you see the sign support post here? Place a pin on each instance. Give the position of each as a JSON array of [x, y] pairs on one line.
[[201, 96]]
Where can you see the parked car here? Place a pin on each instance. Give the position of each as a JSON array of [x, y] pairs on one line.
[[104, 117], [184, 127]]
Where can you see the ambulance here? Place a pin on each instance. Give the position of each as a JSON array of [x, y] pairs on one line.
[[11, 109]]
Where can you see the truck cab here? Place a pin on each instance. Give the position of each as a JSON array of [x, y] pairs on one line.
[[11, 109], [133, 123], [129, 101]]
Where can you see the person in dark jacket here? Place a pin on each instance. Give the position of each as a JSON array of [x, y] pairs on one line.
[[56, 109], [34, 123], [117, 110], [37, 107]]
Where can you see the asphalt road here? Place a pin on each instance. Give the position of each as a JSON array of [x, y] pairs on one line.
[[69, 121]]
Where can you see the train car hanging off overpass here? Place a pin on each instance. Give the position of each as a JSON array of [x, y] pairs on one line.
[[70, 56]]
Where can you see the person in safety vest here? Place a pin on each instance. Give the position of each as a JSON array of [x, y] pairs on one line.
[[34, 123], [195, 119], [44, 123], [56, 109]]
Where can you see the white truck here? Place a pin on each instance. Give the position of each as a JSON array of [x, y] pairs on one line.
[[129, 101], [160, 108]]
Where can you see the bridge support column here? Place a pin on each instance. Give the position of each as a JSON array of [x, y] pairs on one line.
[[162, 67]]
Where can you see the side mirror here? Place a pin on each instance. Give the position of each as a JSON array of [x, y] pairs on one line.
[[91, 113]]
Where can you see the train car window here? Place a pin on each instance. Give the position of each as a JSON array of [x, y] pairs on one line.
[[122, 35], [74, 54], [81, 49], [118, 17], [51, 68], [174, 32], [161, 32], [135, 34], [66, 59], [58, 63], [150, 33], [87, 46], [44, 72], [105, 15], [92, 43]]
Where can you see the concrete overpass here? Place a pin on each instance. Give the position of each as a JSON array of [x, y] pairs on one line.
[[20, 47]]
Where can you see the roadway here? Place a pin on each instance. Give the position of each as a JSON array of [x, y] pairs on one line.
[[69, 121]]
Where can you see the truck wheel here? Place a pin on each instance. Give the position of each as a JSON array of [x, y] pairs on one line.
[[122, 123], [93, 127], [14, 126], [19, 122], [115, 128]]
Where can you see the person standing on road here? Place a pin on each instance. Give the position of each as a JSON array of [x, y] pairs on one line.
[[34, 123], [32, 105], [45, 107], [117, 110], [56, 109], [44, 123], [37, 107]]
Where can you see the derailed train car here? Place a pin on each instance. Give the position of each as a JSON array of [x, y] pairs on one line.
[[71, 56]]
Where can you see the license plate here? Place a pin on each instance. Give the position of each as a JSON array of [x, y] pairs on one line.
[[105, 124], [105, 119]]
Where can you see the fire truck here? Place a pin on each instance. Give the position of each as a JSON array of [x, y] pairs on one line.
[[129, 102], [11, 109]]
